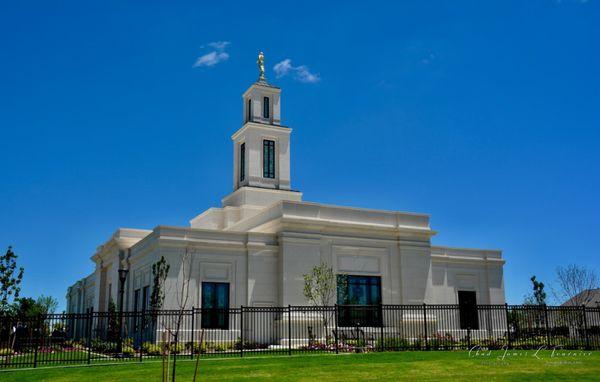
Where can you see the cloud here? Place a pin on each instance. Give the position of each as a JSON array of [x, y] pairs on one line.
[[219, 45], [282, 68], [211, 59], [301, 73], [428, 59], [214, 57]]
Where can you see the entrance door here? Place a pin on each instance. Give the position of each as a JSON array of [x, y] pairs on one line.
[[467, 306], [215, 305]]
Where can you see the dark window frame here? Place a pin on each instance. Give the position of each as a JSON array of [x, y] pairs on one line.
[[215, 317], [467, 310], [352, 312], [146, 298], [266, 108], [242, 161], [249, 111], [269, 158], [136, 306]]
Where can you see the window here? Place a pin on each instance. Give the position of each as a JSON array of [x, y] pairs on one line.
[[242, 162], [268, 159], [146, 298], [266, 107], [360, 300], [136, 307], [215, 305], [249, 111], [467, 307], [136, 300]]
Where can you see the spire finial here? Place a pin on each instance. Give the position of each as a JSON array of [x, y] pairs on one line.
[[261, 66]]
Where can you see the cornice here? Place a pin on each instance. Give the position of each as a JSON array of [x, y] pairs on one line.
[[261, 126]]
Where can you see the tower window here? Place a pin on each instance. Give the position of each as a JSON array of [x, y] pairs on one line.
[[266, 107], [242, 162], [249, 111], [268, 159]]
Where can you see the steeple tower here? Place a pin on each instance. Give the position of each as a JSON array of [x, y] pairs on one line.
[[262, 145]]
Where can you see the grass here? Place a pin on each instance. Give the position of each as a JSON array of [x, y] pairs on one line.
[[413, 366]]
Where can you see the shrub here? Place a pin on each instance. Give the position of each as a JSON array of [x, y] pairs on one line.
[[6, 351], [128, 351], [103, 346], [176, 348], [392, 343], [72, 344], [356, 343], [151, 349]]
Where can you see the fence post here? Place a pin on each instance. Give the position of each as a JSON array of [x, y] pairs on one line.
[[381, 330], [241, 330], [35, 351], [336, 334], [90, 319], [289, 330], [585, 329], [468, 337], [425, 325], [141, 330], [193, 337], [507, 325], [547, 325]]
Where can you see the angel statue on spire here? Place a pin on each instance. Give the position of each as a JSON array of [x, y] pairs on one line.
[[261, 65]]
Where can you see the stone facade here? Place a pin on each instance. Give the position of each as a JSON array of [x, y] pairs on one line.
[[264, 237]]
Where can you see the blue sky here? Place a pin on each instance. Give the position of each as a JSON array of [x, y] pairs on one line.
[[485, 115]]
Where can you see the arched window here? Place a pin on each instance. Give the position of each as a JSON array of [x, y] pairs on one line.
[[266, 107]]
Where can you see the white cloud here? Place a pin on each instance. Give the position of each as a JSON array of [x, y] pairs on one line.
[[211, 59], [282, 68], [301, 73], [214, 57], [219, 45]]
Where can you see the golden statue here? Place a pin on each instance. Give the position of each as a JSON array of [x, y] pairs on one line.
[[261, 66]]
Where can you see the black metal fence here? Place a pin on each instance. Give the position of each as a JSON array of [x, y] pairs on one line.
[[135, 336]]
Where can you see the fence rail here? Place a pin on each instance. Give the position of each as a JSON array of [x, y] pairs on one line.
[[96, 337]]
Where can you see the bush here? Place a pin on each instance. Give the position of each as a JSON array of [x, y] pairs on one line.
[[151, 349], [246, 345], [103, 346], [356, 343], [128, 351], [6, 351], [176, 348], [392, 343], [72, 344]]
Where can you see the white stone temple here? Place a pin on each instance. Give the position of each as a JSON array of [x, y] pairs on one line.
[[254, 249]]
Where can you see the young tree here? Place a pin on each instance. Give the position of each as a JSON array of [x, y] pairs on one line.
[[171, 329], [160, 270], [10, 279], [47, 304], [113, 323], [27, 307], [319, 289], [320, 285], [538, 291], [575, 284], [182, 297]]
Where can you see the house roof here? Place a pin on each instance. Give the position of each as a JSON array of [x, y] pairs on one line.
[[590, 297]]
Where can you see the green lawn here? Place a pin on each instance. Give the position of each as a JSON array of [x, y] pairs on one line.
[[413, 366]]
